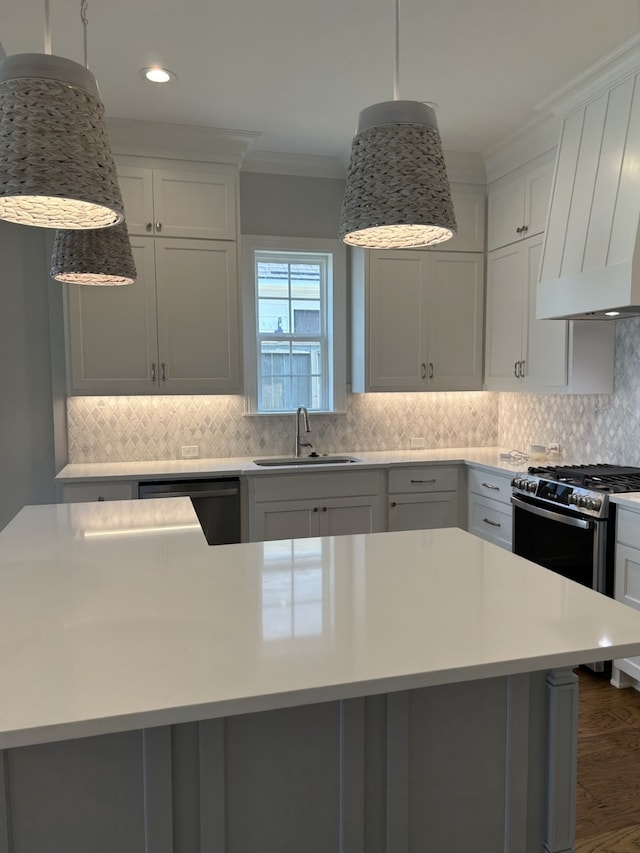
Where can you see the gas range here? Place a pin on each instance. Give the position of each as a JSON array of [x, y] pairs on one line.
[[583, 489]]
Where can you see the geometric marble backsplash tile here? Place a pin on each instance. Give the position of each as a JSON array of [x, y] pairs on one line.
[[128, 429], [589, 427]]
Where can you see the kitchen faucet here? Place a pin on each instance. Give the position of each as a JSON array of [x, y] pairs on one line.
[[300, 441]]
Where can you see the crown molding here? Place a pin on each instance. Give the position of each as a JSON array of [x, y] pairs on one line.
[[621, 63], [179, 141], [535, 138], [307, 165]]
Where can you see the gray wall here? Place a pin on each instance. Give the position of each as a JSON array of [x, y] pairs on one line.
[[290, 206], [26, 400]]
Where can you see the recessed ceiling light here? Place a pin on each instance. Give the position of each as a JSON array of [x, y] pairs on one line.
[[612, 313], [156, 74]]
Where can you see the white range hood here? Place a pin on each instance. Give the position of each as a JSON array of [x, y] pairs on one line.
[[591, 260]]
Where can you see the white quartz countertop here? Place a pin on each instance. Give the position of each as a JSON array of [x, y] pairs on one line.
[[486, 457], [117, 615]]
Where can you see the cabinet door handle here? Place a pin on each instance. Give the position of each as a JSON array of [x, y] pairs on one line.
[[164, 371], [492, 523], [393, 503], [520, 229], [423, 371], [525, 228], [491, 486], [148, 226], [515, 369], [522, 369], [431, 370], [158, 226], [316, 509], [424, 481], [324, 509], [153, 371]]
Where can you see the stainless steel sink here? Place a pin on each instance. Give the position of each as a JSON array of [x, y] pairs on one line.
[[305, 460]]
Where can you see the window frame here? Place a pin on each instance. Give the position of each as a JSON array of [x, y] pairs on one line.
[[335, 315]]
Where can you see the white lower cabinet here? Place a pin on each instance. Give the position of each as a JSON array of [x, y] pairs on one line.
[[489, 506], [289, 506], [627, 581], [423, 497]]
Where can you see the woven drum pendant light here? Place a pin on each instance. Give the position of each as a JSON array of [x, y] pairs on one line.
[[99, 256], [56, 166], [397, 193]]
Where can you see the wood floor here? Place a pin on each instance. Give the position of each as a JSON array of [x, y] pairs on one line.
[[608, 803]]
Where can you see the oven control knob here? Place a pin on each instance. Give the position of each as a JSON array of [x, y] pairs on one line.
[[579, 500], [572, 499], [596, 503], [531, 486]]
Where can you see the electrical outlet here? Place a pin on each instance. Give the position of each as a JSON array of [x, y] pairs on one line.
[[553, 447], [190, 451], [417, 443]]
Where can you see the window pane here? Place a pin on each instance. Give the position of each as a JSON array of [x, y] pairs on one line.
[[306, 321], [273, 316], [305, 281], [273, 280]]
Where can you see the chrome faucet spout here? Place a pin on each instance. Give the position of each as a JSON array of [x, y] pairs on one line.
[[300, 441]]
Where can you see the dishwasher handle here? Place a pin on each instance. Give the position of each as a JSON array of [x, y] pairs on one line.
[[209, 493]]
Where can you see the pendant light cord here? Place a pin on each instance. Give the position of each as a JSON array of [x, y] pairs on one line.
[[47, 28], [83, 18], [396, 68]]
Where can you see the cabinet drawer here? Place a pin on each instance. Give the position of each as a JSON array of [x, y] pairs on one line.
[[80, 492], [628, 527], [315, 484], [491, 520], [494, 486], [425, 478]]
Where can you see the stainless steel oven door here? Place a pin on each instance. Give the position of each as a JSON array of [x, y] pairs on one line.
[[565, 542]]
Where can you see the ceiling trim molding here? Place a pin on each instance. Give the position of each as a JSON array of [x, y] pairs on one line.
[[179, 141], [533, 139], [306, 165]]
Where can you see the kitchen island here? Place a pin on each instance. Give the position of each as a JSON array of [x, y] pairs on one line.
[[380, 692]]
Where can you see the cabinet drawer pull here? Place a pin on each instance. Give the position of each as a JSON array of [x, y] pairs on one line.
[[431, 371], [153, 371], [424, 481], [492, 523], [492, 487], [423, 371], [164, 371], [158, 226]]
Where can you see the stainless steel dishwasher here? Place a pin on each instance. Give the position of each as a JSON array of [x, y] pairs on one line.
[[216, 503]]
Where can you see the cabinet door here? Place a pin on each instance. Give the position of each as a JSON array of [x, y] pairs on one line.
[[423, 512], [537, 195], [340, 516], [506, 305], [546, 354], [455, 322], [505, 213], [286, 520], [136, 186], [469, 208], [195, 204], [198, 317], [396, 306], [112, 333], [627, 590], [491, 520]]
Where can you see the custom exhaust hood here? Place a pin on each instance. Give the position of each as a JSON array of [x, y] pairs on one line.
[[590, 266]]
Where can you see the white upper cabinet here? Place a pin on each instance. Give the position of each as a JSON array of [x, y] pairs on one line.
[[518, 204], [526, 354], [417, 320], [180, 203], [469, 205]]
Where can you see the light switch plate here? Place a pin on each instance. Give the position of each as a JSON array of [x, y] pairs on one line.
[[190, 451]]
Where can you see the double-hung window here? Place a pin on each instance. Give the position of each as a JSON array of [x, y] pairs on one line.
[[294, 324]]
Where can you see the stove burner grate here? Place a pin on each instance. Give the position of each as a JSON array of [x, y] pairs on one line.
[[600, 477]]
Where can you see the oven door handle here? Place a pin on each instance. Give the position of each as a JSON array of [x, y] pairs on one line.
[[583, 523]]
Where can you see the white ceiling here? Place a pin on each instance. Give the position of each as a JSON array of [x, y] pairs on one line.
[[299, 71]]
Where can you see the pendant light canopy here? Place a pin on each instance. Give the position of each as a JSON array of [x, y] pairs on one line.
[[101, 256], [397, 193], [56, 166]]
